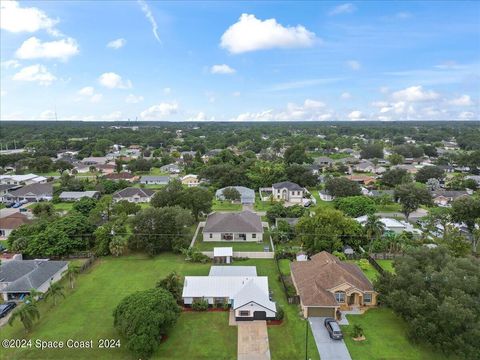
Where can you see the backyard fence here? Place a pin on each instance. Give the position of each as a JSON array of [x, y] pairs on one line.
[[246, 254], [291, 298], [87, 264]]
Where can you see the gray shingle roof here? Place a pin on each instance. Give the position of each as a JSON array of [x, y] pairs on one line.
[[164, 179], [132, 191], [287, 184], [245, 221], [37, 189], [24, 275]]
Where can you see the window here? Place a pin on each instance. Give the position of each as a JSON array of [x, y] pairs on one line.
[[340, 296], [244, 313], [367, 298], [254, 236], [210, 235]]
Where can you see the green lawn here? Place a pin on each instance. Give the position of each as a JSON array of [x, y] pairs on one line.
[[157, 171], [49, 173], [218, 205], [237, 246], [63, 206], [86, 313], [386, 265], [284, 265], [385, 338], [395, 207], [369, 270], [262, 205]]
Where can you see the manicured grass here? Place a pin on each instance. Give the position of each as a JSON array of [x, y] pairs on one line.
[[324, 204], [284, 265], [369, 270], [218, 205], [86, 313], [158, 172], [63, 206], [262, 205], [386, 265], [385, 338], [49, 173], [389, 208], [237, 246]]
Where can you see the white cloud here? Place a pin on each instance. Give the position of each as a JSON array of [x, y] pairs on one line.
[[222, 69], [384, 89], [356, 115], [15, 18], [112, 80], [88, 92], [148, 14], [96, 98], [116, 115], [415, 94], [302, 84], [167, 90], [33, 48], [10, 64], [47, 115], [251, 34], [313, 104], [201, 116], [346, 96], [133, 99], [159, 111], [466, 115], [35, 73], [116, 44], [342, 9], [353, 64], [464, 100]]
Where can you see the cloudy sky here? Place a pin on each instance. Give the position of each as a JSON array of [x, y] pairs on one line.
[[160, 60]]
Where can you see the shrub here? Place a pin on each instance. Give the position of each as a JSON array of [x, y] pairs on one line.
[[364, 264], [357, 331], [200, 305], [280, 313], [340, 255]]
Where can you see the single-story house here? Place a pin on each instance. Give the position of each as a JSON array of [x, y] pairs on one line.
[[326, 284], [288, 191], [5, 188], [222, 255], [190, 180], [233, 226], [31, 193], [368, 166], [323, 161], [171, 168], [476, 178], [392, 225], [239, 286], [445, 197], [361, 179], [94, 160], [121, 176], [155, 180], [411, 169], [132, 194], [27, 179], [77, 195], [12, 222], [18, 277], [247, 196], [325, 195]]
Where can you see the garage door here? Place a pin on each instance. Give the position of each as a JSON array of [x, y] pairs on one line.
[[259, 315], [321, 312]]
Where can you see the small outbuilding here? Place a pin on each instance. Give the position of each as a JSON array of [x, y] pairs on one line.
[[223, 255]]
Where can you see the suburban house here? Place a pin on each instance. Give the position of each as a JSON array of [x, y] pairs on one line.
[[233, 226], [247, 196], [392, 225], [361, 179], [121, 176], [12, 222], [94, 160], [190, 180], [5, 188], [31, 193], [18, 277], [239, 286], [171, 169], [325, 284], [411, 169], [445, 197], [27, 179], [223, 255], [325, 195], [135, 195], [368, 166], [154, 180], [323, 161], [288, 191], [77, 195]]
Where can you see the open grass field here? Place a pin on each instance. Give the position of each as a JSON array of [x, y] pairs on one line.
[[389, 208], [218, 205], [385, 338], [63, 206], [86, 313]]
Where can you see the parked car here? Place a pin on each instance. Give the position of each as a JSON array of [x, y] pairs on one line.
[[23, 210], [333, 329], [307, 203], [24, 201], [9, 204], [16, 205], [6, 308]]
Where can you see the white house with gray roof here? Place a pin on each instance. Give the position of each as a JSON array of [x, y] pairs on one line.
[[233, 226], [135, 195], [18, 277], [154, 180], [77, 195], [31, 193], [288, 191], [247, 196]]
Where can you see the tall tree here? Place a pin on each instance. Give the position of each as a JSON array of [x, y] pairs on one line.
[[341, 187], [411, 196], [198, 200], [54, 292], [27, 313]]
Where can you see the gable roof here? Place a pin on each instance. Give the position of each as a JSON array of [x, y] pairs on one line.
[[35, 189], [77, 194], [251, 292], [132, 191], [155, 178], [324, 271], [288, 185], [24, 275], [119, 176], [245, 221], [13, 221]]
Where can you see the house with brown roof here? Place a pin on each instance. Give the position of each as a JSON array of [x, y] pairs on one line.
[[121, 176], [12, 222], [325, 284]]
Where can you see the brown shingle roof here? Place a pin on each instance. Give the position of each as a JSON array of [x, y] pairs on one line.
[[13, 221], [324, 271]]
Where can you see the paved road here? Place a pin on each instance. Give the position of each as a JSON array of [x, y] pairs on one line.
[[327, 348], [253, 340]]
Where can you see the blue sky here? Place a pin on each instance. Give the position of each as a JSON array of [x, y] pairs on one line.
[[160, 60]]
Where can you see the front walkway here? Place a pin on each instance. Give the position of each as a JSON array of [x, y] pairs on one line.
[[253, 340], [327, 348]]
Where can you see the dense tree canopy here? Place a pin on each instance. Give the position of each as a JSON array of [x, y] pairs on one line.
[[340, 187], [396, 176], [411, 196], [355, 206], [429, 172]]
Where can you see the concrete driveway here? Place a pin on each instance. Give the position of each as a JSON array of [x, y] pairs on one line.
[[327, 348], [253, 340]]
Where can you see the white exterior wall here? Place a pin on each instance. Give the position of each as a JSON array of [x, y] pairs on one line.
[[58, 275], [218, 237], [251, 307], [134, 199]]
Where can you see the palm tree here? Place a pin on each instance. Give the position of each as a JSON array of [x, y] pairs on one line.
[[374, 228], [55, 291], [72, 272], [27, 313]]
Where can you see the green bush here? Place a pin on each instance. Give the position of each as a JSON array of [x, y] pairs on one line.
[[200, 305], [357, 331], [280, 313]]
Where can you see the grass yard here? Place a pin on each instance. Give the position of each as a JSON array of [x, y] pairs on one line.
[[395, 207], [63, 206], [158, 172], [86, 313], [218, 205], [369, 270], [386, 265], [386, 338], [262, 205], [237, 246], [284, 265]]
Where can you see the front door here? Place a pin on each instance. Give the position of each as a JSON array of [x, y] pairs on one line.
[[259, 315], [351, 299]]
